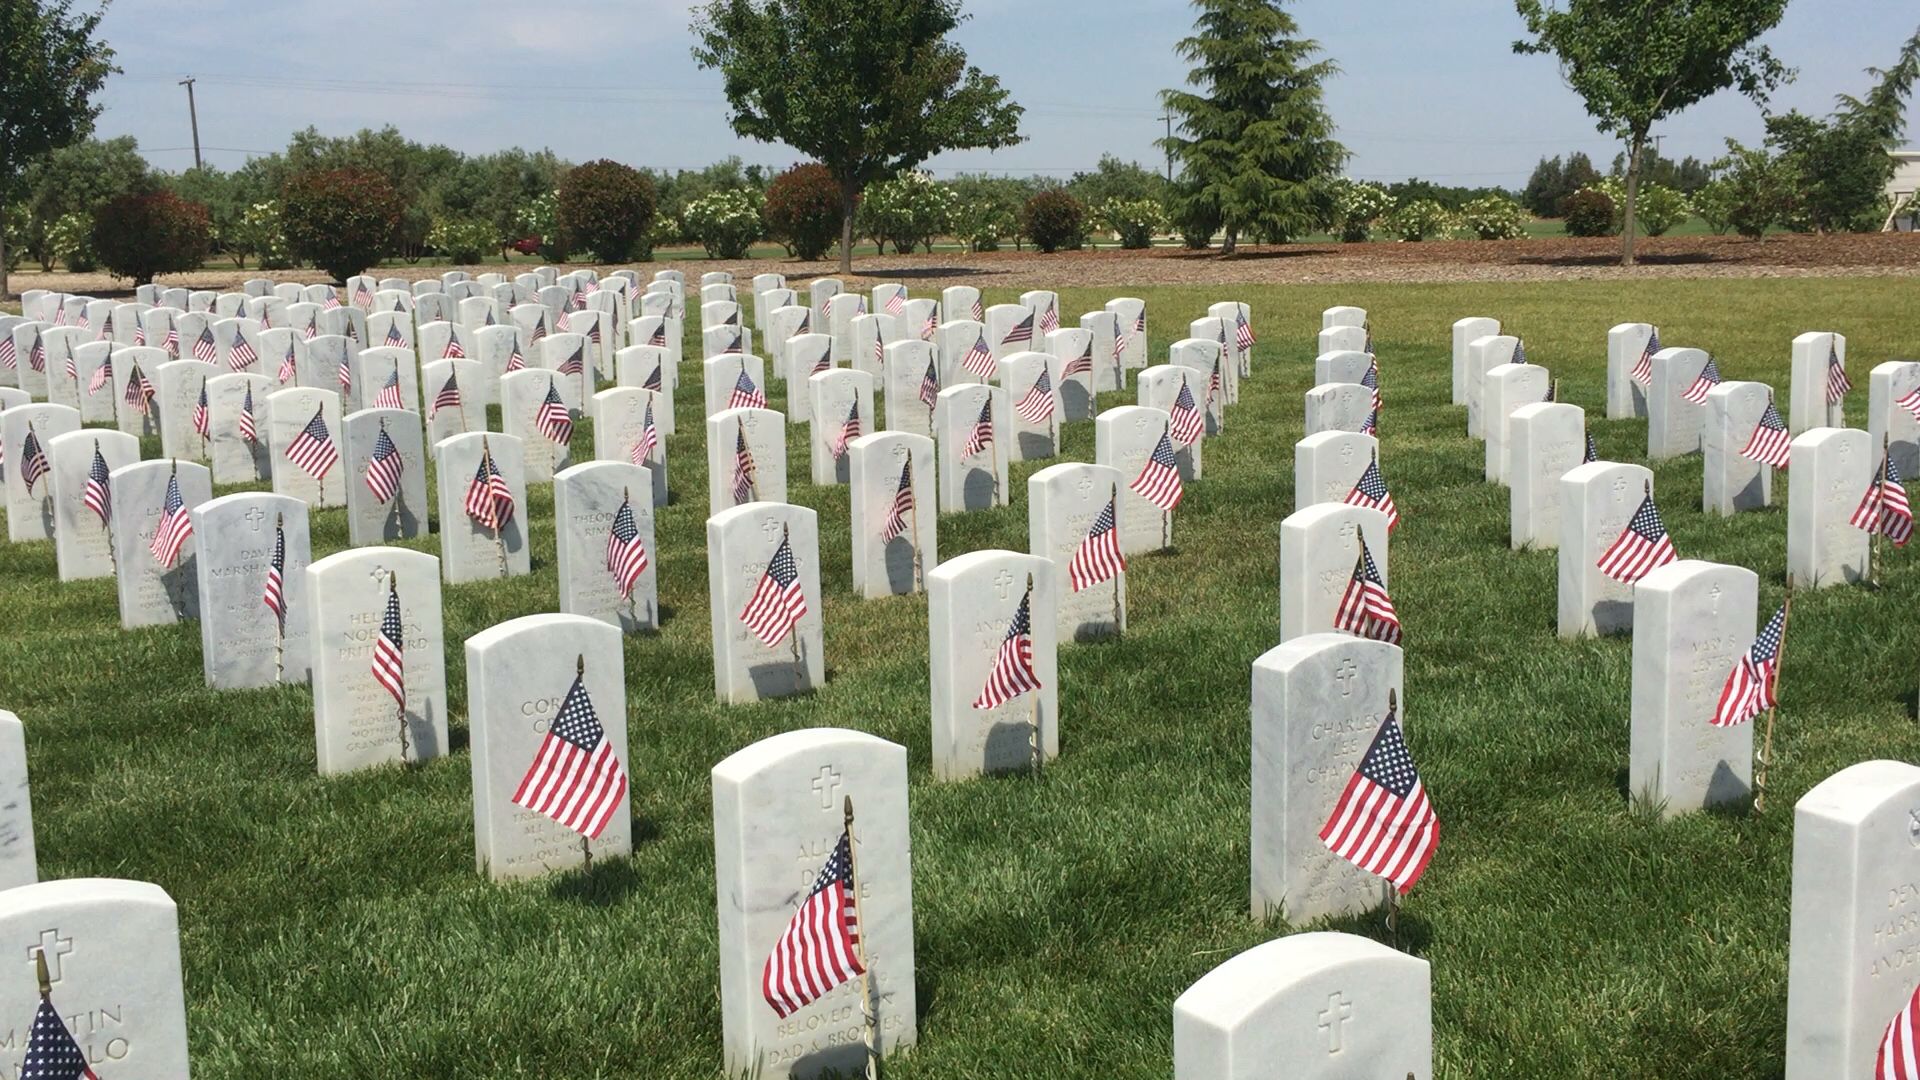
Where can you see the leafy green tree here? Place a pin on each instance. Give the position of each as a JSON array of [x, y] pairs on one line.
[[1748, 192], [142, 235], [1687, 175], [1116, 181], [340, 220], [51, 67], [1553, 181], [1254, 142], [77, 178], [1637, 62], [1838, 168], [867, 89]]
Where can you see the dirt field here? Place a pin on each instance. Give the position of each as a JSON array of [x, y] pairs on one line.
[[1536, 259]]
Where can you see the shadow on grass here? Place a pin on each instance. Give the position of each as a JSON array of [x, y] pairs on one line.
[[910, 273], [606, 883], [1685, 258]]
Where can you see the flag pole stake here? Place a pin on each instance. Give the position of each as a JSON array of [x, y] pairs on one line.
[[393, 589], [40, 973], [586, 842], [1033, 705], [1766, 742], [869, 1021], [279, 621], [1119, 628], [913, 522]]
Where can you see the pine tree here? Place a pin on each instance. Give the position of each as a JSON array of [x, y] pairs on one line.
[[1254, 141]]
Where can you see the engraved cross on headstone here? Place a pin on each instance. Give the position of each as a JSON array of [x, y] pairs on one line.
[[770, 528], [1338, 1010], [255, 516], [1345, 674], [1003, 584], [825, 784], [54, 947]]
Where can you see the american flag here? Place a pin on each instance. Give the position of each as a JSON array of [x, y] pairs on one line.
[[1242, 329], [1372, 491], [1371, 380], [805, 327], [33, 460], [932, 324], [1642, 547], [1593, 451], [820, 948], [1383, 823], [897, 302], [553, 419], [1897, 1059], [575, 364], [489, 499], [1098, 557], [1911, 402], [1519, 351], [37, 353], [539, 327], [204, 347], [824, 362], [449, 395], [202, 423], [273, 593], [1365, 608], [331, 303], [1188, 424], [1012, 673], [52, 1052], [1038, 404], [390, 649], [649, 440], [1159, 479], [172, 342], [1770, 442], [312, 329], [9, 354], [895, 524], [743, 469], [1642, 371], [240, 355], [655, 381], [515, 361], [139, 393], [1709, 378], [102, 375], [139, 333], [626, 554], [98, 495], [1140, 320], [1751, 687], [979, 310], [1885, 509], [576, 777], [389, 395], [1022, 332], [736, 347], [930, 385], [1837, 382], [1119, 343], [60, 315], [361, 296], [981, 436], [1050, 318], [745, 395], [384, 467], [106, 329], [313, 448], [1082, 364], [285, 376], [979, 359], [659, 336], [1553, 391], [454, 350], [399, 305], [778, 603], [247, 429], [344, 375], [393, 340], [73, 373], [849, 431], [174, 528]]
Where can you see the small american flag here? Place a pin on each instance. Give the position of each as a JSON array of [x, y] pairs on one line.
[[489, 499], [1120, 339], [204, 347], [172, 342], [649, 440], [1080, 365], [399, 305], [576, 777], [1022, 332], [313, 327], [285, 376], [313, 448], [240, 355], [362, 297], [1012, 673], [139, 392], [626, 554], [745, 395], [102, 375], [106, 329], [1371, 425], [820, 948], [805, 327], [202, 423], [743, 469], [1242, 329], [736, 347], [1038, 404], [1213, 382], [9, 353], [98, 495], [1911, 402], [139, 334], [932, 324], [449, 395], [1752, 685], [52, 1053], [1365, 608], [344, 375], [515, 361], [778, 602], [930, 385], [655, 381], [979, 310], [1709, 378], [981, 437], [331, 303], [1593, 451], [1642, 371], [454, 350], [33, 460], [979, 359], [1885, 509], [248, 430], [1140, 320], [849, 431], [174, 528], [1837, 382], [1897, 1059], [1159, 479], [37, 353], [274, 593], [1519, 351], [1371, 380], [73, 373], [1383, 823], [1188, 424], [539, 327], [1770, 444], [384, 467], [1050, 318], [390, 648], [895, 524], [1098, 557], [575, 364], [1642, 547], [897, 302], [553, 419], [393, 339], [389, 395], [60, 315], [823, 362], [659, 336], [1372, 491]]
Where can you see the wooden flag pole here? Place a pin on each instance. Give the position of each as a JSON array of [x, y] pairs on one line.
[[1033, 698], [870, 1022], [633, 607], [106, 523], [793, 632], [1166, 516], [586, 842], [280, 621], [1766, 743], [1393, 891], [493, 507], [393, 589], [1118, 628], [913, 522], [753, 474], [40, 973]]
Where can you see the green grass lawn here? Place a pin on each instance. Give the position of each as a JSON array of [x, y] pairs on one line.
[[336, 927]]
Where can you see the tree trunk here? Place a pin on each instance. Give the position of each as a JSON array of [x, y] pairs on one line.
[[1629, 223], [848, 193], [1226, 245], [3, 251]]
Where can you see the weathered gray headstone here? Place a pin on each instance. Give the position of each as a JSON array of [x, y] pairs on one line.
[[152, 594], [1318, 549], [471, 550], [586, 500], [976, 481], [243, 643], [971, 601], [1548, 439], [82, 547], [882, 566], [1327, 465], [1692, 623], [356, 721], [1063, 502], [1828, 476], [1597, 500], [741, 543], [765, 434]]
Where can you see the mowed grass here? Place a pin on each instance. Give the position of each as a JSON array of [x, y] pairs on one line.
[[337, 927]]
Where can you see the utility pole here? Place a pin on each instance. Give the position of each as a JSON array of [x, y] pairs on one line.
[[194, 116], [1168, 117]]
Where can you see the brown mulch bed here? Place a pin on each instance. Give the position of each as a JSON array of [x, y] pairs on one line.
[[1535, 259]]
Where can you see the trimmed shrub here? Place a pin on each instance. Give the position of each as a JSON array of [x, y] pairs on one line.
[[463, 240], [1588, 213], [141, 236], [341, 221], [803, 210], [534, 221], [1417, 221], [1134, 221], [907, 211], [1660, 208], [1357, 207], [1494, 217], [606, 208], [726, 223], [1054, 220], [72, 241]]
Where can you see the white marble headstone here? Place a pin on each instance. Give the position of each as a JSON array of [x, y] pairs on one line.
[[586, 497], [1692, 623], [1597, 500], [766, 438], [1319, 547], [1548, 438], [1337, 407], [971, 601], [150, 595], [521, 396], [1062, 502], [18, 864], [884, 567], [288, 412], [977, 481], [82, 546], [740, 543], [369, 519], [1674, 424], [834, 395], [1828, 474], [1507, 387], [1123, 440], [468, 551], [1019, 375], [1807, 391], [30, 512], [1326, 466], [1730, 481], [240, 637], [906, 370], [1626, 343], [356, 721], [619, 421], [1887, 422]]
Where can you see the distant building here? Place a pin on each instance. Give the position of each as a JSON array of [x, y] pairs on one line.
[[1903, 188]]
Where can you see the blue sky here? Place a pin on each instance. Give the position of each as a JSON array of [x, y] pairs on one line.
[[1428, 87]]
